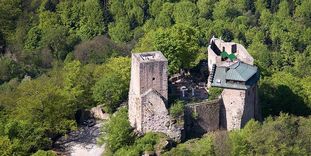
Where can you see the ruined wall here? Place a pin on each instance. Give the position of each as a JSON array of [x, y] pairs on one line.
[[201, 118], [148, 95], [243, 55], [238, 107], [212, 58], [241, 52], [145, 74], [134, 95], [156, 118]]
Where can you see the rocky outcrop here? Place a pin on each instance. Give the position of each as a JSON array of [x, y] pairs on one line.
[[156, 118], [98, 113]]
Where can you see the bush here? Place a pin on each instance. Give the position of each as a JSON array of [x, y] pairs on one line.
[[112, 83], [9, 69], [117, 132], [177, 109], [214, 93], [145, 143], [202, 146], [44, 153]]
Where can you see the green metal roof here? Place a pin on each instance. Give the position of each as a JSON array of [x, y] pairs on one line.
[[242, 76], [231, 56], [224, 54], [240, 72]]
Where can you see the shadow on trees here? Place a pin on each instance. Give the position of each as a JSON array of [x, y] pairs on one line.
[[276, 99]]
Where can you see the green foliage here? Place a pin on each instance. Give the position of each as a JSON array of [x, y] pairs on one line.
[[283, 135], [179, 44], [117, 132], [92, 20], [9, 13], [36, 36], [84, 18], [278, 136], [177, 109], [214, 93], [203, 146], [111, 87], [77, 83], [9, 69], [205, 8], [165, 17], [121, 30], [109, 92], [303, 13], [33, 39], [6, 147], [226, 10], [283, 93], [55, 40], [44, 153], [185, 12], [42, 104], [146, 143]]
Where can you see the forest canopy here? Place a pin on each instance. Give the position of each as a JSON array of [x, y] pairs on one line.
[[59, 56]]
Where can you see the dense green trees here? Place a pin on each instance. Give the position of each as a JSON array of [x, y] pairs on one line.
[[284, 135], [117, 131], [180, 44], [112, 84], [120, 138], [44, 39], [9, 13]]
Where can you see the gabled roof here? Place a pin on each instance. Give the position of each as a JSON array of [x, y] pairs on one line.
[[240, 71], [239, 74]]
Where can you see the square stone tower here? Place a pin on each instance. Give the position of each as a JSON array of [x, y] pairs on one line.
[[231, 68], [148, 94]]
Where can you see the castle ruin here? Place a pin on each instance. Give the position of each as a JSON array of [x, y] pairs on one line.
[[229, 66], [148, 95]]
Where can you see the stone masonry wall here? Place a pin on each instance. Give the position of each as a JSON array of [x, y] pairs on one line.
[[134, 95], [154, 75], [144, 76], [156, 118], [237, 108], [201, 118], [148, 95]]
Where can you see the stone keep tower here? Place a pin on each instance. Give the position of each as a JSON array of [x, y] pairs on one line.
[[231, 67], [148, 95]]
